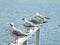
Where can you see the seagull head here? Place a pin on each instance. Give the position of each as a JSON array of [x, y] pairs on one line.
[[11, 24], [24, 19], [36, 15]]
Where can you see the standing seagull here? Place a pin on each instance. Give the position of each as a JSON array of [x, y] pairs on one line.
[[39, 19], [16, 32], [29, 24]]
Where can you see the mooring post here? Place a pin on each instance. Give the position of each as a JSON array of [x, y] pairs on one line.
[[38, 37], [26, 42]]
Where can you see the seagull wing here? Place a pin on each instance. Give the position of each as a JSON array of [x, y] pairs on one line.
[[29, 23], [17, 33]]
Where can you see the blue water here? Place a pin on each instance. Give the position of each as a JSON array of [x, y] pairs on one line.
[[15, 10]]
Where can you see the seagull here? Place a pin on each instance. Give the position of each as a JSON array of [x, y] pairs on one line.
[[29, 24], [39, 18], [16, 32]]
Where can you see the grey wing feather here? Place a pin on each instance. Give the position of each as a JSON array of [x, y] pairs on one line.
[[17, 33]]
